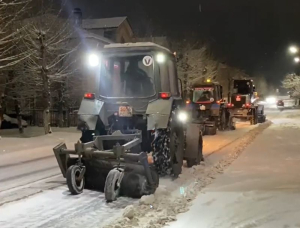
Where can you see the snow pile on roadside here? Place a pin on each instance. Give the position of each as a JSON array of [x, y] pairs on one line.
[[14, 120], [161, 208]]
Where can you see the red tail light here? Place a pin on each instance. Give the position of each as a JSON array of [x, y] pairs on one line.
[[247, 105], [89, 96], [164, 95], [230, 105]]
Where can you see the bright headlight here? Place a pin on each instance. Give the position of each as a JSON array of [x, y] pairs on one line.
[[182, 116], [271, 100], [160, 58], [93, 60]]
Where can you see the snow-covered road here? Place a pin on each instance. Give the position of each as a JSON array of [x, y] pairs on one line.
[[47, 203], [260, 189], [25, 160], [58, 209]]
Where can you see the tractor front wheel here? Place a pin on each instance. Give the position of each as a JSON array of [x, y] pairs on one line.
[[112, 185], [74, 180]]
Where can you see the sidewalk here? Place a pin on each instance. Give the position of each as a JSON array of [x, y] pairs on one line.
[[260, 189]]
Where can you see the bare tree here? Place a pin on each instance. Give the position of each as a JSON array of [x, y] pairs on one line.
[[50, 61], [10, 12], [194, 62]]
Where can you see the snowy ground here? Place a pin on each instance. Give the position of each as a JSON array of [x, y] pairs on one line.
[[25, 160], [47, 203], [260, 189]]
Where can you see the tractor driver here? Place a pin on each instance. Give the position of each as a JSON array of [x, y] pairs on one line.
[[205, 96], [137, 80]]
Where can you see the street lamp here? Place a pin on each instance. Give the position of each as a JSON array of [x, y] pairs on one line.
[[293, 49], [297, 59]]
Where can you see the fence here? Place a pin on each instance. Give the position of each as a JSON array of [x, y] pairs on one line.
[[68, 118]]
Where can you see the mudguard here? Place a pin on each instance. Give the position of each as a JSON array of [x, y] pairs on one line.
[[90, 110], [215, 109], [158, 113], [260, 109]]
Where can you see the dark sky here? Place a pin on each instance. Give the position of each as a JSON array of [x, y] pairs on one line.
[[250, 34]]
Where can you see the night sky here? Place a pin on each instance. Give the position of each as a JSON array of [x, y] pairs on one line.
[[250, 34]]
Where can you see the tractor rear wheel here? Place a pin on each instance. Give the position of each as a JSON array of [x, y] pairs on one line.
[[192, 162], [211, 130], [222, 124], [168, 148]]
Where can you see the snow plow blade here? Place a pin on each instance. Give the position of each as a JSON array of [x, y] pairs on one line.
[[89, 161]]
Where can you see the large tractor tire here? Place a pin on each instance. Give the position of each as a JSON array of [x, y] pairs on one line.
[[210, 130], [134, 184], [254, 117], [75, 185], [155, 178], [192, 162], [261, 119], [168, 150], [223, 122]]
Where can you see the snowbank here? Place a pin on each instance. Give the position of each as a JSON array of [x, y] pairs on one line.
[[14, 120], [174, 197]]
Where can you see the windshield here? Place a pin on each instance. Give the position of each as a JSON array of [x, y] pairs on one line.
[[127, 76], [242, 87], [202, 94]]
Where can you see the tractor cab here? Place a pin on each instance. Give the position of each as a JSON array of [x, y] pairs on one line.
[[243, 93], [137, 73], [206, 105], [131, 77], [204, 95]]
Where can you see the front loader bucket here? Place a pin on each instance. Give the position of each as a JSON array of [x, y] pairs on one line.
[[138, 176], [62, 158]]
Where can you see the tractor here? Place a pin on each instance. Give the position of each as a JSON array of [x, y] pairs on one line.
[[207, 107], [133, 127]]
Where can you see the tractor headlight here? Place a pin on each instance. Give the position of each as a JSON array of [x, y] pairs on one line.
[[271, 100], [93, 60], [182, 116]]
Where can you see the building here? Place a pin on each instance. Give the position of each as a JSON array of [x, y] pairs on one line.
[[160, 40], [116, 29]]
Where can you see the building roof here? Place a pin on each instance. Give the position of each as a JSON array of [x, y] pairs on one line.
[[113, 22], [85, 34], [138, 44]]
